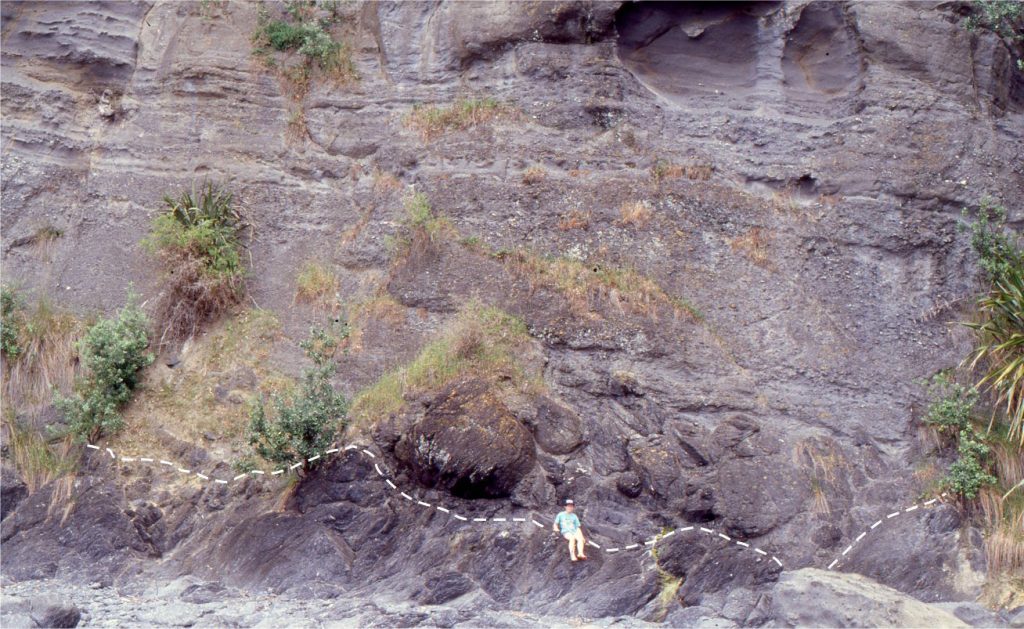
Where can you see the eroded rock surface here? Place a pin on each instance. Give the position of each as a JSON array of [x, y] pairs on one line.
[[804, 164]]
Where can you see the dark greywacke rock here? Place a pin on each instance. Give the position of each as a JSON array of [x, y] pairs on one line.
[[468, 442]]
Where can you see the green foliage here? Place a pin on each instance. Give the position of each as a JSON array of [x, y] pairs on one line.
[[1005, 18], [952, 404], [968, 474], [197, 238], [304, 422], [10, 322], [202, 225], [309, 36], [1000, 348], [113, 352], [482, 340], [997, 247]]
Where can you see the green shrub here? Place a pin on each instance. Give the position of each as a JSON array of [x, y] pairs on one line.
[[304, 422], [303, 33], [952, 404], [1000, 348], [997, 247], [968, 474], [10, 322], [1005, 18], [113, 352], [197, 239]]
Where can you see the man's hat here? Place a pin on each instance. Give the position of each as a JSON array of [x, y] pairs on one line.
[[569, 501]]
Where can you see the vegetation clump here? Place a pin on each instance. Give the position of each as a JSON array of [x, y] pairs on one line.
[[197, 237], [38, 350], [316, 285], [11, 321], [432, 121], [999, 331], [304, 30], [1005, 18], [482, 340], [113, 352], [305, 422]]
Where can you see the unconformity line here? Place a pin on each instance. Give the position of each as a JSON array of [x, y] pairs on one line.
[[760, 554]]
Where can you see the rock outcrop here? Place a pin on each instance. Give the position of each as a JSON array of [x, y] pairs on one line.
[[800, 170]]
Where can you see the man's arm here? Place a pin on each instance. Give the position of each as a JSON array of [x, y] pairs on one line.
[[554, 527]]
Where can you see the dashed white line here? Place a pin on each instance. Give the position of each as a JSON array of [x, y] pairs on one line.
[[222, 482], [744, 544], [831, 565], [725, 537], [407, 496], [537, 524], [184, 471], [499, 519], [875, 525], [312, 458], [893, 514], [422, 504], [909, 509], [261, 472], [202, 476], [932, 501], [459, 517], [169, 464], [351, 447], [390, 484], [479, 519], [377, 467], [612, 550], [277, 472], [127, 459], [650, 542], [760, 552], [331, 451], [776, 560], [860, 537], [146, 460], [292, 467], [707, 530], [519, 519], [442, 509], [848, 549], [239, 477], [369, 454], [593, 544], [632, 546], [111, 453], [89, 445]]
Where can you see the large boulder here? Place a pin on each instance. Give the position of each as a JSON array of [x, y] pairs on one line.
[[817, 598], [468, 442]]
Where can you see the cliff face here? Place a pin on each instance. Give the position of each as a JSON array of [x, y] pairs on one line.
[[799, 168]]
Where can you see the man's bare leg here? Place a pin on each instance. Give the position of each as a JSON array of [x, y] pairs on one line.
[[580, 543], [572, 548]]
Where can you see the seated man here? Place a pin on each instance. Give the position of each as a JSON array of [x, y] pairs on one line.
[[568, 525]]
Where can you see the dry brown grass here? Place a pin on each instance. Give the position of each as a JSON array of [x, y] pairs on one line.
[[385, 183], [636, 213], [381, 307], [192, 298], [317, 285], [37, 461], [589, 285], [574, 219], [47, 361], [209, 392], [534, 175], [754, 245], [695, 171], [821, 460], [1004, 538], [432, 121]]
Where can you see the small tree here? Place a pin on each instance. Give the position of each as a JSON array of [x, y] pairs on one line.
[[113, 353], [305, 422], [968, 473]]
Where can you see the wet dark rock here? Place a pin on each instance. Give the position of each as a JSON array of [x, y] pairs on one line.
[[558, 429], [12, 490], [630, 484], [445, 587], [468, 442], [51, 611]]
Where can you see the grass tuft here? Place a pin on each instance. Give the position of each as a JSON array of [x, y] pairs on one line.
[[37, 461], [432, 121], [754, 246], [317, 285], [481, 340], [635, 213]]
